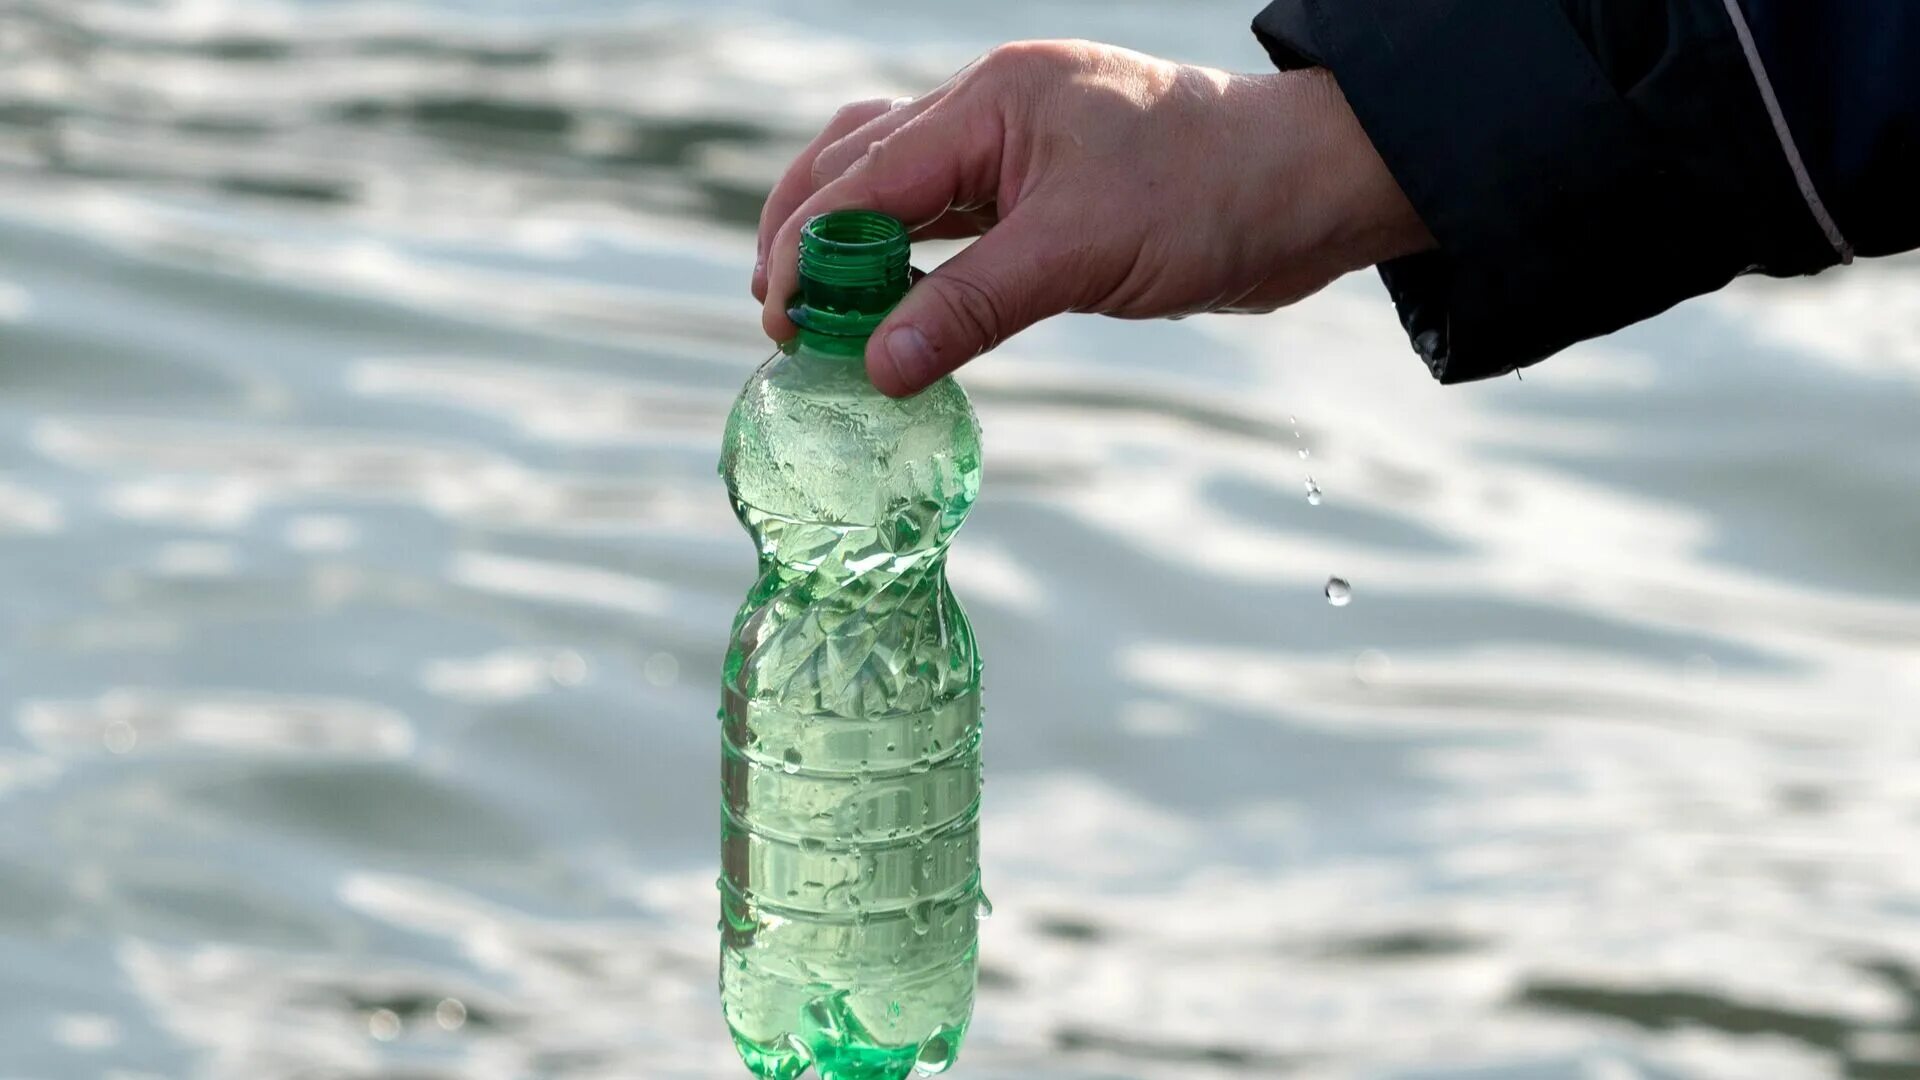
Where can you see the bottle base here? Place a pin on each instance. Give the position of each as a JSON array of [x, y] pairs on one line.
[[841, 1051]]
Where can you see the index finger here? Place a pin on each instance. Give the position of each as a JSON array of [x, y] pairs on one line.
[[797, 181], [947, 157]]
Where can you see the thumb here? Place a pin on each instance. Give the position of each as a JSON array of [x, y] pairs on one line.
[[1002, 283]]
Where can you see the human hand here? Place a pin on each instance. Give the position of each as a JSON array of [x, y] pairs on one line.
[[1100, 180]]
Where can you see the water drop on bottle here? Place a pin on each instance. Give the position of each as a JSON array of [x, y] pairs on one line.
[[790, 762], [936, 1054]]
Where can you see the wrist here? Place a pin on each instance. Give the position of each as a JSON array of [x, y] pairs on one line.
[[1346, 209]]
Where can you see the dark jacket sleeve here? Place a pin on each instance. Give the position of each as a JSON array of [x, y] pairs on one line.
[[1585, 164]]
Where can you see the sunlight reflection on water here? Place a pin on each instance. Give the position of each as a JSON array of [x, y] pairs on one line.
[[365, 366]]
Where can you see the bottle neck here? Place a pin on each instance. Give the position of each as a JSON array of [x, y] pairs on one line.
[[828, 344], [853, 270]]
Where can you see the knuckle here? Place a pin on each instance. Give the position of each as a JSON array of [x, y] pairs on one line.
[[824, 168], [853, 114], [1039, 57], [842, 158], [874, 153], [1016, 58]]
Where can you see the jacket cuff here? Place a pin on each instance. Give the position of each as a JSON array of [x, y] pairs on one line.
[[1568, 198]]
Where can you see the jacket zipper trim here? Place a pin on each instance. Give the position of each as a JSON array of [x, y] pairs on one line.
[[1800, 176]]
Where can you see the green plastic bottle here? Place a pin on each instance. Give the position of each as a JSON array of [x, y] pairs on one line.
[[850, 891]]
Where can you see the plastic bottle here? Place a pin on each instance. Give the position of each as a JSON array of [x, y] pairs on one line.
[[851, 696]]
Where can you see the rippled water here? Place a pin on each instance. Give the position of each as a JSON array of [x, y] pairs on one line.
[[361, 377]]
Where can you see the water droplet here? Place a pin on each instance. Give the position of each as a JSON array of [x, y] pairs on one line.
[[1305, 453], [1339, 593], [919, 766], [384, 1025], [984, 910], [1313, 492], [889, 748], [936, 1054], [812, 845], [920, 915], [450, 1014], [790, 762]]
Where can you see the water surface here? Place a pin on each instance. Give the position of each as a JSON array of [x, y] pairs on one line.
[[362, 370]]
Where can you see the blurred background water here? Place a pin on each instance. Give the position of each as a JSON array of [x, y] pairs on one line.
[[362, 369]]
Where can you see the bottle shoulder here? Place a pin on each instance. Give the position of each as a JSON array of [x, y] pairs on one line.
[[810, 436]]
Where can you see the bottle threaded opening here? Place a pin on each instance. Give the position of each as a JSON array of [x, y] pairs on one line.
[[853, 269]]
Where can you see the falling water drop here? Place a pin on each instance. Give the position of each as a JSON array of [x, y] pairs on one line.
[[1305, 453], [1313, 492], [1339, 593]]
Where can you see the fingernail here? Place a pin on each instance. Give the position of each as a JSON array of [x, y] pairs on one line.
[[911, 355]]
